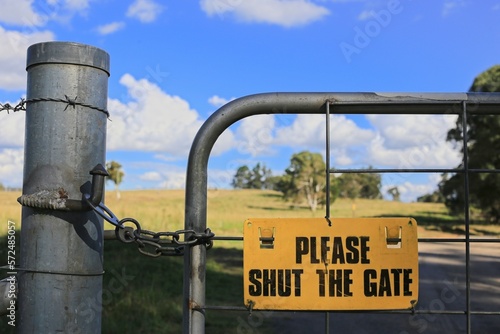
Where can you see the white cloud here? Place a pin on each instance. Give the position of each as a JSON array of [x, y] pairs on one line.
[[154, 121], [224, 143], [347, 1], [346, 133], [169, 177], [13, 61], [366, 15], [174, 180], [401, 131], [165, 157], [439, 155], [286, 13], [218, 101], [157, 175], [347, 141], [12, 128], [306, 130], [151, 176], [450, 6], [255, 135], [405, 141], [64, 10], [309, 131], [110, 28], [20, 13], [145, 11], [77, 5], [11, 167], [413, 141]]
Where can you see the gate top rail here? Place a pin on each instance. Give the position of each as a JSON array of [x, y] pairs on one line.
[[292, 103]]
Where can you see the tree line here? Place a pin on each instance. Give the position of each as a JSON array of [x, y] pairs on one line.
[[304, 180]]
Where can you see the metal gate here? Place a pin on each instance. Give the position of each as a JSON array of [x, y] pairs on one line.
[[464, 104]]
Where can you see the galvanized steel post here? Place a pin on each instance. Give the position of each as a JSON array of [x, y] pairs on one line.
[[61, 263]]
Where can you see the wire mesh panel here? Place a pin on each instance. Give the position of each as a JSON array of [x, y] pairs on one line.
[[458, 248], [458, 284]]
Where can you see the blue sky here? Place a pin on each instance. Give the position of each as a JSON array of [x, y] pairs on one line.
[[173, 63]]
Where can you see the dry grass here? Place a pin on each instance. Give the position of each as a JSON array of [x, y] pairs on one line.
[[9, 210], [163, 210]]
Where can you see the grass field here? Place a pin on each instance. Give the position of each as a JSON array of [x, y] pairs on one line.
[[152, 300], [162, 210]]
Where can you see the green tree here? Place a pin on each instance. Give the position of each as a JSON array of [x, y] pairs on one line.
[[242, 177], [371, 183], [483, 132], [350, 186], [304, 179], [259, 177], [274, 182], [434, 197], [116, 175], [268, 179], [360, 185], [260, 174], [394, 192]]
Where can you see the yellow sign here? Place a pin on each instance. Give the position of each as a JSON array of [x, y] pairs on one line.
[[341, 264]]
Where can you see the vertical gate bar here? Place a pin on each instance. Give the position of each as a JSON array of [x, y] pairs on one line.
[[60, 280], [327, 200], [467, 215]]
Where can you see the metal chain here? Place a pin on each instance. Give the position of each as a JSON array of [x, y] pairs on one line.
[[152, 243], [69, 103], [155, 244]]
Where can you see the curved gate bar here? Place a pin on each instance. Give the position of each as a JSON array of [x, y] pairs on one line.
[[289, 103]]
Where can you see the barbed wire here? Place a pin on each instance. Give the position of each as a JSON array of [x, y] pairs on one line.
[[7, 107], [68, 101]]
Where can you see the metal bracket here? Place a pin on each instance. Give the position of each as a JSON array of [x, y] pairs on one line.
[[57, 199], [267, 237]]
